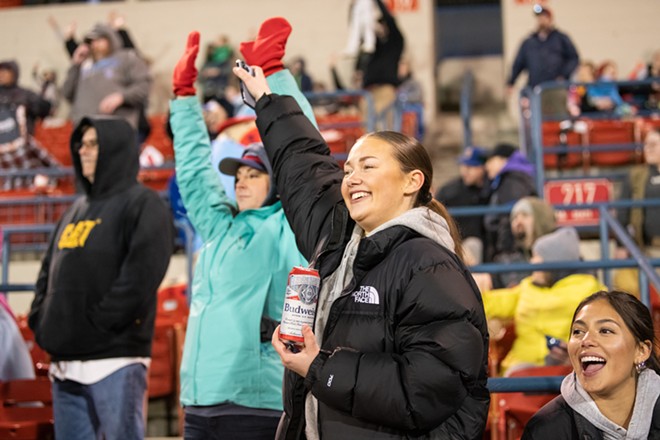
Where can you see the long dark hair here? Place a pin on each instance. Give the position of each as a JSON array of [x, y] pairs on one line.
[[411, 156], [635, 315]]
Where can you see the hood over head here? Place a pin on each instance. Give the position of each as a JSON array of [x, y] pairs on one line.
[[118, 163], [101, 30], [12, 66]]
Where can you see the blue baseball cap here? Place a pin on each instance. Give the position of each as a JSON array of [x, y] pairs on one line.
[[473, 157]]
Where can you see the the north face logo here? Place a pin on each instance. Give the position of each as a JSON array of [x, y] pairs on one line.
[[366, 295]]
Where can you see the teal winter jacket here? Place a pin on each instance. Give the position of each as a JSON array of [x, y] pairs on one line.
[[240, 276]]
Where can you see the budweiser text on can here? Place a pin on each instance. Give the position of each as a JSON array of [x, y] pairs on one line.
[[302, 294]]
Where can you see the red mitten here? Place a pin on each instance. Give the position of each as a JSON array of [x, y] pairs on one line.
[[185, 72], [267, 50]]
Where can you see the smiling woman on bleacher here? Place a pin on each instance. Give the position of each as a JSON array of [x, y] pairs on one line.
[[613, 391]]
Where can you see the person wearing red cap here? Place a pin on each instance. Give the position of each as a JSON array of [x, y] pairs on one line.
[[231, 377]]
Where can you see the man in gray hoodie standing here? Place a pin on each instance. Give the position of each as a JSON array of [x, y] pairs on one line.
[[106, 79]]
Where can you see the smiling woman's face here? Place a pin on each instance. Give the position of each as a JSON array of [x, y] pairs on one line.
[[374, 187], [251, 187], [604, 352]]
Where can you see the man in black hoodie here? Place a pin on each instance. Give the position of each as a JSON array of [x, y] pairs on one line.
[[95, 297]]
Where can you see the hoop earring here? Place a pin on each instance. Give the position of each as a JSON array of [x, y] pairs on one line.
[[640, 367]]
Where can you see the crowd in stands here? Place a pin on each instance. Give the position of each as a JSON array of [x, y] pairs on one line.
[[397, 305]]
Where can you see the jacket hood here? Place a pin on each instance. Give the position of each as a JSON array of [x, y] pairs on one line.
[[518, 162], [101, 30], [425, 222], [648, 391], [13, 67], [117, 165]]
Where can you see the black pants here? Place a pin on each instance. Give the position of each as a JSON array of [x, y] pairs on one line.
[[234, 427]]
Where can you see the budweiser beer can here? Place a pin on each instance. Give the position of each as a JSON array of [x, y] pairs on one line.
[[302, 294]]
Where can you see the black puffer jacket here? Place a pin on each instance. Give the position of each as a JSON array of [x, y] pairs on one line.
[[557, 420], [411, 361]]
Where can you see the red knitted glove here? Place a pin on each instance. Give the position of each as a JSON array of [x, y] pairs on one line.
[[267, 50], [185, 72]]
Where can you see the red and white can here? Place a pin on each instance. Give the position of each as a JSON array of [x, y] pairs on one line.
[[302, 294]]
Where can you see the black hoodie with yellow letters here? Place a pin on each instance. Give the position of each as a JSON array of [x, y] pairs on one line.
[[95, 296]]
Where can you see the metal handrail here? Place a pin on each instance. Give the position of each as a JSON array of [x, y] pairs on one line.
[[646, 273], [467, 211], [528, 384], [538, 150], [558, 265], [606, 223], [62, 171], [9, 230], [373, 118], [369, 124]]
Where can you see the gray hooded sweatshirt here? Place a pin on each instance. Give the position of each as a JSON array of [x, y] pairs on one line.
[[648, 390], [122, 71]]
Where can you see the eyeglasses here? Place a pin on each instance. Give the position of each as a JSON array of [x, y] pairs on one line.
[[93, 143]]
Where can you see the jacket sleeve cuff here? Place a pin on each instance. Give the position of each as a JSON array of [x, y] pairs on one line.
[[184, 103], [335, 382], [315, 369]]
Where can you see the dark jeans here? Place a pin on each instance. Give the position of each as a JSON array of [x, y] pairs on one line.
[[234, 427]]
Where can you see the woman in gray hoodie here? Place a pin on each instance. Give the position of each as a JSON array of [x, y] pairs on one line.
[[614, 388]]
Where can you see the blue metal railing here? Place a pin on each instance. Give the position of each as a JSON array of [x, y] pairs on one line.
[[606, 224], [9, 230], [524, 384], [535, 118], [390, 118], [61, 171]]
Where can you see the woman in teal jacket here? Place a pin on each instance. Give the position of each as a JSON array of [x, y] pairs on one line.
[[231, 377]]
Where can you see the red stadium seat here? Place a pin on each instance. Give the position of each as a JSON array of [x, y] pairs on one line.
[[173, 305], [515, 409], [10, 3], [156, 179], [502, 335], [167, 348], [340, 131], [603, 132], [159, 138], [56, 140], [26, 410], [551, 138]]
